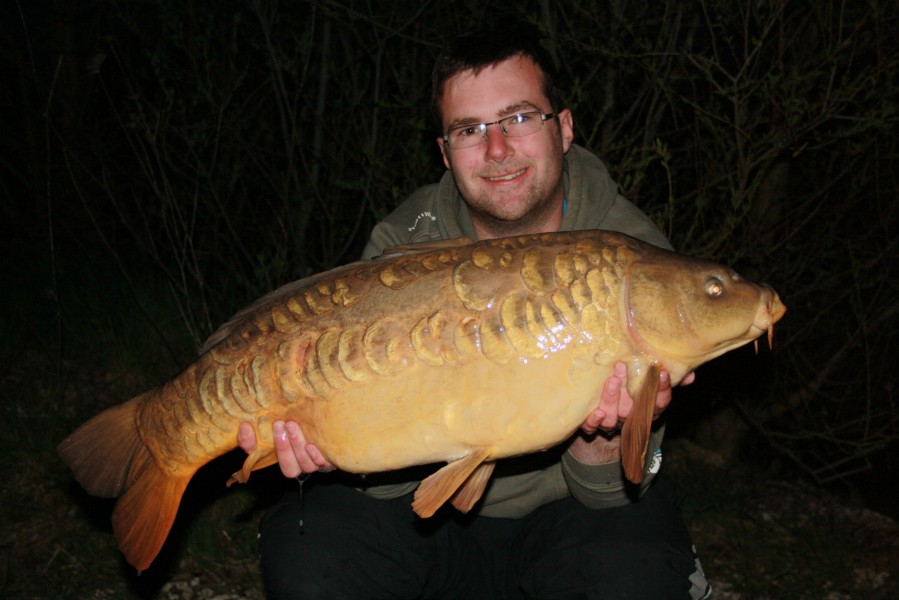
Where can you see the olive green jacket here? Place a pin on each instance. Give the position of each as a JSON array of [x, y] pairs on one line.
[[520, 485]]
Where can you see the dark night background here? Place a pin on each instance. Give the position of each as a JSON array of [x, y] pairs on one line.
[[168, 162]]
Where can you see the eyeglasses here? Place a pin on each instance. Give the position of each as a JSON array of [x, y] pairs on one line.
[[517, 125]]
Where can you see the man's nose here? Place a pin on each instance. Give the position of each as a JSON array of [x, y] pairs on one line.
[[497, 142]]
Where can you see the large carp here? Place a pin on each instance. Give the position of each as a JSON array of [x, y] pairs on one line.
[[451, 351]]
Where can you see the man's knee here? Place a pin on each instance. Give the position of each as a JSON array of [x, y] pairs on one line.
[[336, 543], [622, 570], [642, 550]]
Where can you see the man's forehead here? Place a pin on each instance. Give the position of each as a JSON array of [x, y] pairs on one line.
[[497, 90]]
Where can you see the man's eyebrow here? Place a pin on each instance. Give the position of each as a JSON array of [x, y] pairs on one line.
[[463, 121], [520, 107]]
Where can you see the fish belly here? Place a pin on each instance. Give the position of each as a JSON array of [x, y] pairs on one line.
[[433, 414]]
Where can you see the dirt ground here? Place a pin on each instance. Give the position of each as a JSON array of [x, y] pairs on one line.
[[779, 539], [761, 532]]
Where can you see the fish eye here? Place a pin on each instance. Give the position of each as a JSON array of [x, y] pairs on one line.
[[714, 286]]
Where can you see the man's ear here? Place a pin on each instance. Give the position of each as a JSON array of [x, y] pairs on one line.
[[566, 128], [444, 150]]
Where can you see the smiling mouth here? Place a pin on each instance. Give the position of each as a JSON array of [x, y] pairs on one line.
[[508, 177]]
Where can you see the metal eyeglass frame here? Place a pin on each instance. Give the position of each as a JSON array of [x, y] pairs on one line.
[[501, 122]]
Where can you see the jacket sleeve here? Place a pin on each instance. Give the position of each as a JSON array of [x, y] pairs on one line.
[[601, 206], [604, 485]]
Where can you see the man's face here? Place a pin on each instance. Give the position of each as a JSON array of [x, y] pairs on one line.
[[512, 185]]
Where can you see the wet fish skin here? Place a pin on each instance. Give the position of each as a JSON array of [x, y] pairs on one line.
[[452, 351]]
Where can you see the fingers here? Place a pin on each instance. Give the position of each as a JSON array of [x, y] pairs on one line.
[[318, 458], [295, 454], [593, 421], [246, 437], [663, 398], [615, 403], [290, 448], [606, 416]]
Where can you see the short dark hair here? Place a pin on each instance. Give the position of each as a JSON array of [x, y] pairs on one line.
[[484, 48]]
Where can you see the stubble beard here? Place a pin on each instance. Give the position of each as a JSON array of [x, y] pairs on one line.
[[489, 213]]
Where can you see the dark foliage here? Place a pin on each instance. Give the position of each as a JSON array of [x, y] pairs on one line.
[[212, 151]]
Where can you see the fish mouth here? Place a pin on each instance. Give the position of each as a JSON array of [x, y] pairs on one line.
[[756, 332], [771, 311]]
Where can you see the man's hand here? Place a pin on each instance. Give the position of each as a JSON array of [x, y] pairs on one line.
[[614, 407], [295, 454], [615, 404]]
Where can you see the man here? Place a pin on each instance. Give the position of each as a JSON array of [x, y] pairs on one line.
[[559, 524]]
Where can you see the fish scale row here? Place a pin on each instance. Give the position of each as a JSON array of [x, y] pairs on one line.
[[555, 298], [562, 292]]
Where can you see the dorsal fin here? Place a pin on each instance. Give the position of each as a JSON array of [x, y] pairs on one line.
[[422, 247], [266, 303]]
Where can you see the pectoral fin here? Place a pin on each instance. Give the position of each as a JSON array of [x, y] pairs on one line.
[[635, 433], [440, 486]]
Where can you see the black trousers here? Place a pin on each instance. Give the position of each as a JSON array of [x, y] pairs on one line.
[[353, 546]]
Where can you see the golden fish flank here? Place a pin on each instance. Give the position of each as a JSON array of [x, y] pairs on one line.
[[447, 351], [524, 326]]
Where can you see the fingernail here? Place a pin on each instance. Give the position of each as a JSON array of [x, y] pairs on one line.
[[614, 386]]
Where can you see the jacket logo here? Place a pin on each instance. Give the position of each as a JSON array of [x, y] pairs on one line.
[[425, 215]]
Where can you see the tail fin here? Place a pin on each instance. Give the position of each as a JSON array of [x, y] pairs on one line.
[[102, 452], [144, 515], [109, 459]]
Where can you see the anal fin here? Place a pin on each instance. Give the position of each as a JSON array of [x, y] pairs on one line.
[[473, 488], [440, 486], [635, 433]]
